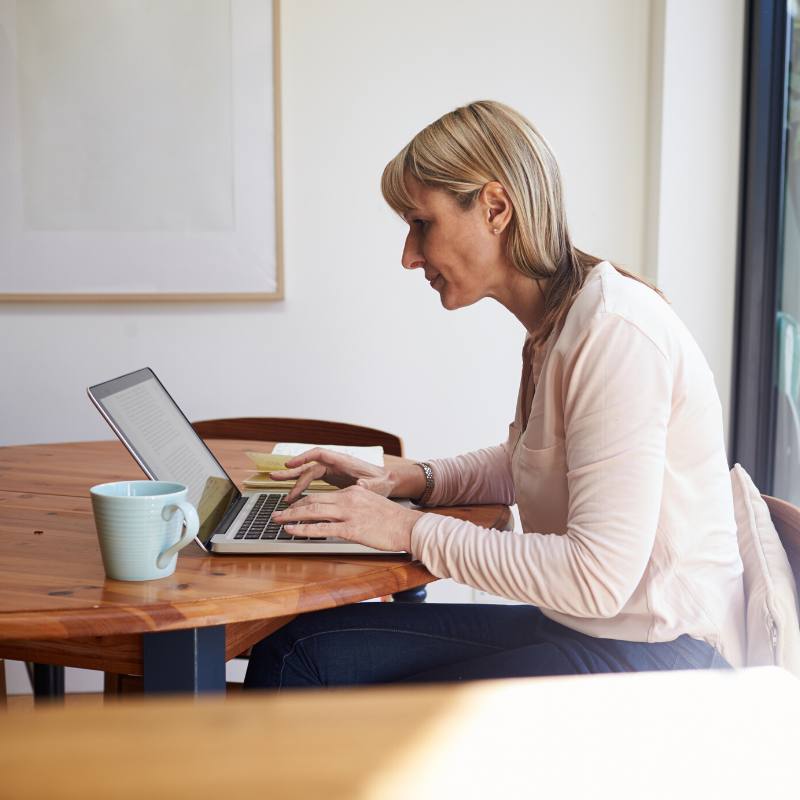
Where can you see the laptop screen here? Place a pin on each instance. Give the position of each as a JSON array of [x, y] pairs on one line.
[[164, 443]]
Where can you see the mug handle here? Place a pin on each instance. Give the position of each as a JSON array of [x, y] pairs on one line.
[[192, 526]]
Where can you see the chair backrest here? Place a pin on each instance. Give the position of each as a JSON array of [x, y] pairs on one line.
[[286, 429], [767, 532], [786, 519]]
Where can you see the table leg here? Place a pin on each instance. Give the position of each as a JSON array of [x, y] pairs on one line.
[[417, 595], [48, 684], [189, 661]]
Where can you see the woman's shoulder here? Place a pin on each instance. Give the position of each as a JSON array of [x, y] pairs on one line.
[[609, 299]]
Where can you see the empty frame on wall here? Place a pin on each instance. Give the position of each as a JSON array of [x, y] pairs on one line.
[[140, 150]]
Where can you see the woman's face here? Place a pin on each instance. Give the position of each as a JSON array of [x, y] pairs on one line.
[[461, 256]]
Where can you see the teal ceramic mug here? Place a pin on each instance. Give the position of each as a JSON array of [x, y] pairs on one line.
[[139, 527]]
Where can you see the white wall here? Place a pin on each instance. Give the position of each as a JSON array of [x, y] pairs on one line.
[[696, 91], [359, 339]]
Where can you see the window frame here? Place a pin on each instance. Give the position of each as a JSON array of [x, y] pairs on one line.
[[764, 129]]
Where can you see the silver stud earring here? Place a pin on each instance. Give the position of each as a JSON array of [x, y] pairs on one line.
[[496, 231]]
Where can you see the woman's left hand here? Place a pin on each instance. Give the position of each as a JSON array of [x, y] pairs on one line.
[[355, 514]]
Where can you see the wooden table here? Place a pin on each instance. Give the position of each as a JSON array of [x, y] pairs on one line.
[[57, 606], [695, 734]]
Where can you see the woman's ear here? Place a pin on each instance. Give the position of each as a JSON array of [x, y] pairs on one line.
[[497, 206]]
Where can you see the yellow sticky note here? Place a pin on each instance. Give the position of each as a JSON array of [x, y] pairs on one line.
[[270, 462]]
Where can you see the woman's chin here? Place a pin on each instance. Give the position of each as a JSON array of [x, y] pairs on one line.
[[452, 302], [446, 297]]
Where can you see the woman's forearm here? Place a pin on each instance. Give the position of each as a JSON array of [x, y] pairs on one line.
[[483, 476]]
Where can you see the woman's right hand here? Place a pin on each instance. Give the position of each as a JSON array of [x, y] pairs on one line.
[[342, 471], [335, 468]]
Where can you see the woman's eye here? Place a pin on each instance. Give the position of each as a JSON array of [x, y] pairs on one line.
[[421, 222]]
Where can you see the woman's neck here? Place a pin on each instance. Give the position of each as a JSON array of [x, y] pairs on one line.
[[524, 297]]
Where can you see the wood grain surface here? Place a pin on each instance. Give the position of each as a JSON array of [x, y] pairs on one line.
[[300, 745], [562, 737], [72, 469], [122, 653], [52, 584]]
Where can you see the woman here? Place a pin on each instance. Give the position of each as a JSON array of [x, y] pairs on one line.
[[616, 456]]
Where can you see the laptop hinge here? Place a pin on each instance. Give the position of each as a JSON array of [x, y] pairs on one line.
[[228, 519]]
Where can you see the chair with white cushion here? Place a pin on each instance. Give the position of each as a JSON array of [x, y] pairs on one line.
[[768, 530]]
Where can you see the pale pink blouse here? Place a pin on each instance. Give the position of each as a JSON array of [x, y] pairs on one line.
[[620, 476]]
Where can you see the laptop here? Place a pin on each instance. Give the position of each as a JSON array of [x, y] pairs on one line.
[[165, 445]]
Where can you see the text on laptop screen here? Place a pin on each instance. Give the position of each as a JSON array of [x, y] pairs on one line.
[[166, 444]]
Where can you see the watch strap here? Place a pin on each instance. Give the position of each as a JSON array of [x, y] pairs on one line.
[[426, 495]]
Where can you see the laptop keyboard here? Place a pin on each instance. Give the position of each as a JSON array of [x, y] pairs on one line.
[[259, 525]]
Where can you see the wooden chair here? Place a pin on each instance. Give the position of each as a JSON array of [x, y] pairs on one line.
[[313, 431], [786, 519], [286, 429]]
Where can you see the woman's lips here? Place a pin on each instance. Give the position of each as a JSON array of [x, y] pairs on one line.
[[434, 280]]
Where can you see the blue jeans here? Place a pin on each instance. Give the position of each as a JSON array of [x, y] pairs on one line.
[[371, 643]]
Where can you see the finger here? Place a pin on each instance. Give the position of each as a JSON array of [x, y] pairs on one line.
[[295, 492], [290, 474], [319, 530], [316, 454], [286, 474], [304, 481], [332, 498], [303, 458], [293, 502], [309, 510]]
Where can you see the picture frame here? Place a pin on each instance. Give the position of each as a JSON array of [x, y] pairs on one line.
[[143, 145]]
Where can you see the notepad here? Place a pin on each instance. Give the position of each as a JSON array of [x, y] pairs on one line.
[[262, 482], [272, 462], [268, 462]]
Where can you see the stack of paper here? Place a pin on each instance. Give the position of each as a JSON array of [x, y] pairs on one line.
[[276, 460]]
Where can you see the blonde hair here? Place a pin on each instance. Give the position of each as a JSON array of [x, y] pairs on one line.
[[487, 141]]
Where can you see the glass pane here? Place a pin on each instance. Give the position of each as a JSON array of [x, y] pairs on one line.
[[787, 434]]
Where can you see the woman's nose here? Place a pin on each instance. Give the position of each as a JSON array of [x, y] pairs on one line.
[[412, 255]]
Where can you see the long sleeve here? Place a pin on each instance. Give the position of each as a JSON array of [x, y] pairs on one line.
[[483, 476], [616, 395]]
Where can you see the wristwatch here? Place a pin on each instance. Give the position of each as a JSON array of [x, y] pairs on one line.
[[426, 495]]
